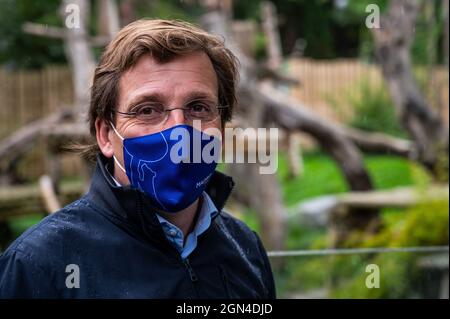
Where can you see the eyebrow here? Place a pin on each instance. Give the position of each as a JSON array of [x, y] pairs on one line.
[[157, 97]]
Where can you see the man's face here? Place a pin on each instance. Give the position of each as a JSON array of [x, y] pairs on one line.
[[173, 84]]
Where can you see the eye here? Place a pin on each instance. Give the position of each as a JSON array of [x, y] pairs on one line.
[[198, 107], [147, 110]]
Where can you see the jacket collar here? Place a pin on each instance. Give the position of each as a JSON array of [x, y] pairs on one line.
[[133, 204]]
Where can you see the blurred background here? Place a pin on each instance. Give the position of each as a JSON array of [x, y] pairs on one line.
[[359, 92]]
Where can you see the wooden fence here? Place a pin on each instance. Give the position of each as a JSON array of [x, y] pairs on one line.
[[327, 85], [29, 95]]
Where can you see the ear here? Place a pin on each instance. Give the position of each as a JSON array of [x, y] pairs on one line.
[[104, 138]]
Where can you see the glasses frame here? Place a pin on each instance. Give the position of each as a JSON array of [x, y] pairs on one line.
[[166, 111]]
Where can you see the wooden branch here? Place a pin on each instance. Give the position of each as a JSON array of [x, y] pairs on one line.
[[394, 198], [317, 211], [17, 144], [264, 72], [78, 131], [292, 115], [51, 202], [342, 149], [380, 142], [99, 40], [44, 30], [295, 159], [27, 199], [61, 33]]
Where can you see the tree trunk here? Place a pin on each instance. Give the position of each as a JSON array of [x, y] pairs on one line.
[[270, 27], [445, 24], [393, 41], [127, 12], [263, 190], [108, 19], [79, 53]]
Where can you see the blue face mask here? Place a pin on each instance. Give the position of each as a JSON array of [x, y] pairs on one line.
[[171, 167]]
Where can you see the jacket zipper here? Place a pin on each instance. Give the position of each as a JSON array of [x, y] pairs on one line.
[[192, 275], [191, 272], [185, 262]]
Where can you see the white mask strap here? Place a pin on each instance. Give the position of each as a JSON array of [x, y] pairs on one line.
[[120, 136], [118, 164], [115, 159]]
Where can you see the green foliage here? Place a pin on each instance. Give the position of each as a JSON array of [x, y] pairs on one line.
[[357, 9], [423, 31], [21, 223], [21, 50], [260, 46], [250, 218], [345, 275], [303, 271], [424, 225], [329, 31], [248, 9], [426, 34], [373, 109], [168, 9]]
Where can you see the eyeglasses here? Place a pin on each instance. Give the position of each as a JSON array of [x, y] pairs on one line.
[[155, 113]]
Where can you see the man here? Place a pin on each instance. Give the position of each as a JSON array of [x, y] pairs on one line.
[[152, 224]]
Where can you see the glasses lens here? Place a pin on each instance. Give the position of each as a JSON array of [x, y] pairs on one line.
[[202, 111], [150, 113]]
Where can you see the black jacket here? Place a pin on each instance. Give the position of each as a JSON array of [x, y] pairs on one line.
[[116, 241]]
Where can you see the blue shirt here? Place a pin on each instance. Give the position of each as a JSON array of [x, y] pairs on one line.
[[175, 235]]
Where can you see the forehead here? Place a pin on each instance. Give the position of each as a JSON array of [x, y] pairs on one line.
[[170, 82]]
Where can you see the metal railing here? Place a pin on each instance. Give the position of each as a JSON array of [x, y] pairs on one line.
[[350, 251]]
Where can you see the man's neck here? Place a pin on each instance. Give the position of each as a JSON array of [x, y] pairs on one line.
[[185, 219]]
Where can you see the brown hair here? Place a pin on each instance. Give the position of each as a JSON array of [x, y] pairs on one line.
[[164, 40]]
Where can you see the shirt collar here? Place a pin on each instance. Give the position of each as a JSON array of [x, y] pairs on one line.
[[208, 207], [207, 212]]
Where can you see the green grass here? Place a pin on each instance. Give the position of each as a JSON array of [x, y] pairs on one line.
[[322, 176]]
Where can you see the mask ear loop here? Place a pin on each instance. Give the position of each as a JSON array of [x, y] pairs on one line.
[[113, 127], [115, 159]]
